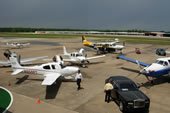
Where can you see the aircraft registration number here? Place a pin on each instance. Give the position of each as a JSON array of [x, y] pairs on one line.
[[30, 71]]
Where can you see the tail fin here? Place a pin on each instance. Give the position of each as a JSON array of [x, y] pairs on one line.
[[65, 51], [81, 51], [117, 40], [60, 60], [83, 38], [14, 60], [85, 42]]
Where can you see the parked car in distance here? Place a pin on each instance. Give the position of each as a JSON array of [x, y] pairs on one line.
[[127, 95], [161, 52]]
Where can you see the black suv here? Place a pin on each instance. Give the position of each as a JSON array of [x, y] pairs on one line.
[[127, 95]]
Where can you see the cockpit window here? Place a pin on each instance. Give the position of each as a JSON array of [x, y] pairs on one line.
[[169, 61], [78, 55], [46, 67], [53, 66], [165, 63], [159, 62], [113, 44]]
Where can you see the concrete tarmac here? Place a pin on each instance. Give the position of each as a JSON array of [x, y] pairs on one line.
[[64, 97]]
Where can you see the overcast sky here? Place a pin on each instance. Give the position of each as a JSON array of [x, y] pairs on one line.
[[87, 14]]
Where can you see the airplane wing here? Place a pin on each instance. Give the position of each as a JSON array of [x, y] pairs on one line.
[[133, 61], [5, 62], [25, 44], [31, 59], [95, 57], [50, 78]]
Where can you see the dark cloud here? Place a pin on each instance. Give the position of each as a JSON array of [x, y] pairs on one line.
[[89, 14]]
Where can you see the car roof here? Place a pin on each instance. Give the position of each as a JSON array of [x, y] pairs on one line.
[[120, 79]]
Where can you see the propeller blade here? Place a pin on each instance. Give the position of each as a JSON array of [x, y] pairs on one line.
[[138, 64]]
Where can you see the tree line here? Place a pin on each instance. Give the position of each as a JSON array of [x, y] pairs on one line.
[[18, 29]]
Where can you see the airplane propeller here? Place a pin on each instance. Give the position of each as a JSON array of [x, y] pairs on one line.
[[143, 72]]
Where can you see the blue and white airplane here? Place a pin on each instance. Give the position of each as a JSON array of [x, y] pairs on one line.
[[160, 67]]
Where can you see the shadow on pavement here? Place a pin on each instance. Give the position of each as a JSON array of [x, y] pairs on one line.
[[52, 91]]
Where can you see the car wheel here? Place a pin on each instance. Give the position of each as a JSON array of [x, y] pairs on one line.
[[121, 106]]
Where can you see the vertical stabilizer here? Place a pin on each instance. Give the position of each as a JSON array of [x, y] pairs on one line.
[[14, 60], [85, 42], [83, 38], [65, 51], [81, 51], [60, 60]]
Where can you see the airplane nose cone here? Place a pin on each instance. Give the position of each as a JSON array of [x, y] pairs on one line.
[[143, 71]]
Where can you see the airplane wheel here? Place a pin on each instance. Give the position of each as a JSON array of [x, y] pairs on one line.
[[84, 66], [98, 52]]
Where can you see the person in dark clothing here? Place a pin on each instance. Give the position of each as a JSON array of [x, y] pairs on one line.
[[79, 79]]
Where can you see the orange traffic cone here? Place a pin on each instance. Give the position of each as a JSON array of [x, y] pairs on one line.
[[38, 101], [9, 84]]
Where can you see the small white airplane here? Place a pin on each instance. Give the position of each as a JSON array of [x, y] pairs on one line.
[[160, 67], [16, 45], [51, 71], [24, 61], [78, 57]]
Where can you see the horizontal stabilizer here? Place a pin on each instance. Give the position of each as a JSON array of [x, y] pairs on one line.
[[17, 71], [50, 79], [133, 61]]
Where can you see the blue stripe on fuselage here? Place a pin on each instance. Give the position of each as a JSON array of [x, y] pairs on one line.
[[158, 73], [133, 61]]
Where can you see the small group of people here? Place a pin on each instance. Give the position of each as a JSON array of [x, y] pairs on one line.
[[107, 89]]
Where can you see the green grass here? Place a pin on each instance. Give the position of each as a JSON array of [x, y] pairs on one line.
[[5, 100], [136, 40], [19, 35]]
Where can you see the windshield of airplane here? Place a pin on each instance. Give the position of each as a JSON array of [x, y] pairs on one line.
[[78, 55], [127, 87], [164, 63], [113, 44]]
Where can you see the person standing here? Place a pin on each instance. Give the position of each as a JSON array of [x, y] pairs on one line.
[[79, 79], [107, 89]]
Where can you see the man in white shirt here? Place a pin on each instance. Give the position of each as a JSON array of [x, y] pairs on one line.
[[79, 79], [107, 89]]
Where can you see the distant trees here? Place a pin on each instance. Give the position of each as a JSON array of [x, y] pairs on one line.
[[20, 29]]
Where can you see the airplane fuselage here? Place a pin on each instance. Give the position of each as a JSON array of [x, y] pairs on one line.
[[50, 68], [160, 67]]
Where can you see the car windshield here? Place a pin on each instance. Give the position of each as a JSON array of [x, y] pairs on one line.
[[127, 87]]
